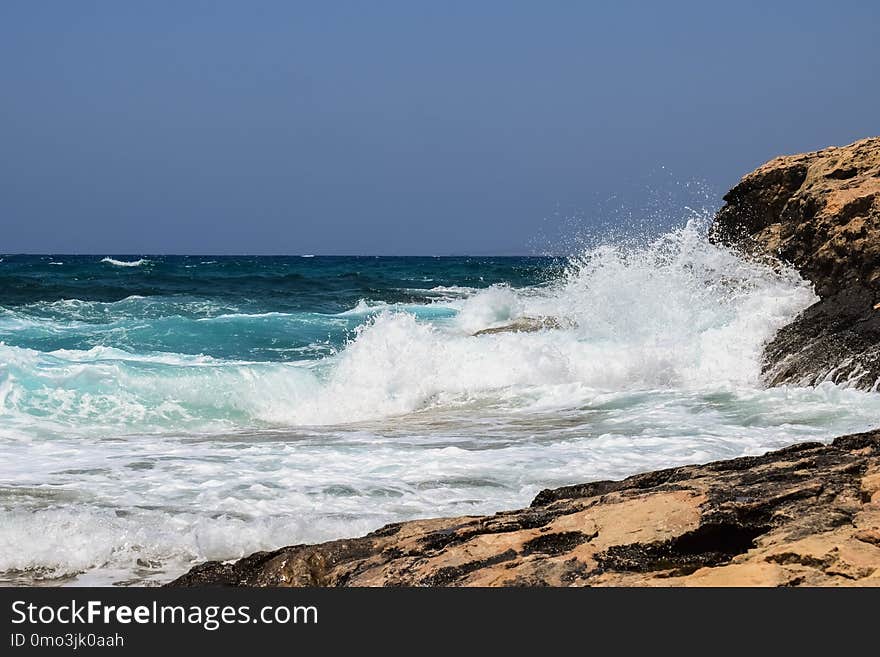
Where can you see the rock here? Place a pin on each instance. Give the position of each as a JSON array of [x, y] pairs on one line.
[[524, 325], [820, 212], [804, 515]]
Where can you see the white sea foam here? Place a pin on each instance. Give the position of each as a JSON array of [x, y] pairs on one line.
[[125, 263], [458, 291], [364, 307]]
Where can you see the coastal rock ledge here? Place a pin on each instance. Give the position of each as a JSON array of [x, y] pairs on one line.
[[819, 212], [805, 515]]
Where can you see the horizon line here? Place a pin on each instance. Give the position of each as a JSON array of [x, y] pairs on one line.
[[284, 255]]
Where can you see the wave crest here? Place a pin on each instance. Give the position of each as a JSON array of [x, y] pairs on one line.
[[676, 313], [125, 263]]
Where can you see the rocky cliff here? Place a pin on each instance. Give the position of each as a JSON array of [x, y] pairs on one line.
[[805, 515], [819, 212]]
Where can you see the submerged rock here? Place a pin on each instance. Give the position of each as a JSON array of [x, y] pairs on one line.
[[804, 515], [820, 212], [524, 325]]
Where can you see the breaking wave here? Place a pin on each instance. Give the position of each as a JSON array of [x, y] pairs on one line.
[[125, 263], [675, 313]]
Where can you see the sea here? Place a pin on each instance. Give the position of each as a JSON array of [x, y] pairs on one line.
[[158, 411]]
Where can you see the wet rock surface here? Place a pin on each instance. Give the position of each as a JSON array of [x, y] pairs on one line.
[[525, 325], [805, 515], [820, 212]]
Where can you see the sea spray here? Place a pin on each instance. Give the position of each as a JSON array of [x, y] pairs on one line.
[[168, 414]]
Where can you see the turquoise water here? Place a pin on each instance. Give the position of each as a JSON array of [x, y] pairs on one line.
[[245, 308], [156, 411]]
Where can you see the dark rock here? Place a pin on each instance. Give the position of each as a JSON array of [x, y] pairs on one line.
[[820, 212]]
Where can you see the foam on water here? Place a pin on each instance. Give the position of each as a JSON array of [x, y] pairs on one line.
[[147, 461], [125, 263]]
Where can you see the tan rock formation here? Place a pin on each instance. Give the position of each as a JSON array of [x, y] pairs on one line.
[[805, 515], [820, 212]]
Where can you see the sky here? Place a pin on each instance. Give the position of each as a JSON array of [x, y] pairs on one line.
[[403, 128]]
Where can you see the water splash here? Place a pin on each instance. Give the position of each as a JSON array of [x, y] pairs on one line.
[[149, 460]]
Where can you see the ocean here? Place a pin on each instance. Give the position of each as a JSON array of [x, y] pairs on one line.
[[158, 411]]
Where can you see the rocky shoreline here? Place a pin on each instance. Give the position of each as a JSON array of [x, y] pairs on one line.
[[805, 515], [819, 212]]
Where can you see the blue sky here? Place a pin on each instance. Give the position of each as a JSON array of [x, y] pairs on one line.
[[405, 127]]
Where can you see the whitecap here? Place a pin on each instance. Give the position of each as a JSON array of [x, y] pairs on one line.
[[125, 263]]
